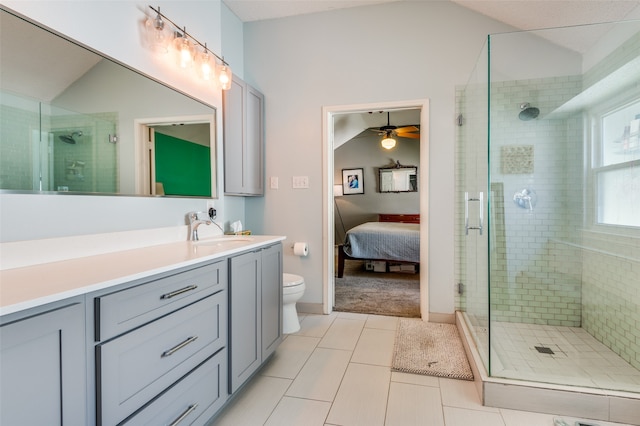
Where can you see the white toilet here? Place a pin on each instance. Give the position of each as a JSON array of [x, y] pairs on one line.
[[292, 290]]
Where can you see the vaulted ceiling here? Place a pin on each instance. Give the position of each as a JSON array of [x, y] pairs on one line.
[[520, 14]]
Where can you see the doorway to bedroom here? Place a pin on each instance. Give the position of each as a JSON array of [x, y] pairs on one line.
[[371, 186]]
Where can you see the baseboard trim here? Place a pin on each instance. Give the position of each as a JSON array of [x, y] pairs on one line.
[[309, 308]]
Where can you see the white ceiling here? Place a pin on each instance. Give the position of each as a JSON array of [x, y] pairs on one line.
[[520, 14]]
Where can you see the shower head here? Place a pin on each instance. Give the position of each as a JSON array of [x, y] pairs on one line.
[[528, 112], [70, 139]]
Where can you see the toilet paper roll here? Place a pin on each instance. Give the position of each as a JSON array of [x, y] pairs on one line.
[[301, 249]]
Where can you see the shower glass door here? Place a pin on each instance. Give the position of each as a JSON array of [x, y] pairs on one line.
[[472, 201]]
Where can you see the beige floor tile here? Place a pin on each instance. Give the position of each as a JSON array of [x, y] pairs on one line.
[[290, 356], [299, 412], [315, 325], [374, 347], [352, 315], [525, 418], [414, 405], [415, 379], [382, 322], [321, 376], [343, 334], [256, 403], [362, 397], [462, 394], [466, 417]]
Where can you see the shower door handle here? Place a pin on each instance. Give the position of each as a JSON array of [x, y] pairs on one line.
[[480, 199]]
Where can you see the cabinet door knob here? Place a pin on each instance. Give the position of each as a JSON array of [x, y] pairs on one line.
[[179, 346]]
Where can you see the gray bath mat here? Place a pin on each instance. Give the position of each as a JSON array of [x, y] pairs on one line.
[[431, 349]]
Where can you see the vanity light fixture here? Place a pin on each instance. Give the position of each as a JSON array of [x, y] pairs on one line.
[[205, 66], [184, 49], [158, 33], [224, 76], [210, 67]]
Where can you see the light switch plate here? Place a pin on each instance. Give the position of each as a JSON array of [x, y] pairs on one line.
[[300, 182], [274, 182]]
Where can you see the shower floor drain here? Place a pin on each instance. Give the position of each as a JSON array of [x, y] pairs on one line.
[[544, 350]]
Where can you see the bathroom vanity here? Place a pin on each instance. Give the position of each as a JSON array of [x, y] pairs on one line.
[[153, 335]]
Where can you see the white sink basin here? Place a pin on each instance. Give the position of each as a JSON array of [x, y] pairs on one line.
[[223, 240]]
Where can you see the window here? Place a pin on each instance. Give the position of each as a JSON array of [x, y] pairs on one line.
[[616, 166]]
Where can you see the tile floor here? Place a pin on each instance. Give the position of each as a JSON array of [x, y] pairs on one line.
[[336, 371]]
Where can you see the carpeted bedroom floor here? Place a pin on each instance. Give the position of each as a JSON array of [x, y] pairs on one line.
[[367, 292]]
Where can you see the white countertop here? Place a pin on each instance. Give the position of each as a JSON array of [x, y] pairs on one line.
[[31, 286]]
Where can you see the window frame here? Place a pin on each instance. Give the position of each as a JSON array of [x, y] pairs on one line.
[[594, 169]]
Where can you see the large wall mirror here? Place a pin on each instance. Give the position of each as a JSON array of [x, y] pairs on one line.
[[74, 121], [398, 179]]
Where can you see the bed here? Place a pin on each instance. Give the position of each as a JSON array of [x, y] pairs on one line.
[[395, 237]]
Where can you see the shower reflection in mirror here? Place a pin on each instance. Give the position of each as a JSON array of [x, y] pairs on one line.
[[398, 178]]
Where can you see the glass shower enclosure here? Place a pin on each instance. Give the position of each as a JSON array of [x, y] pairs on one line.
[[548, 206]]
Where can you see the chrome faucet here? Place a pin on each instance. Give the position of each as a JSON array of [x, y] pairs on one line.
[[194, 223]]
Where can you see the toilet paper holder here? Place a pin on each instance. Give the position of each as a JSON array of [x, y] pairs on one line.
[[300, 249]]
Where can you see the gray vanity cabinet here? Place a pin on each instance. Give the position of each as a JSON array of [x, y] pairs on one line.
[[155, 342], [243, 112], [255, 311], [42, 366], [271, 293]]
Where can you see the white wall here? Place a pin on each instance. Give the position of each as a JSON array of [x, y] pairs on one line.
[[113, 28], [390, 52]]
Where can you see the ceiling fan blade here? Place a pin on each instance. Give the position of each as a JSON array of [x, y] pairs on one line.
[[408, 135], [405, 129]]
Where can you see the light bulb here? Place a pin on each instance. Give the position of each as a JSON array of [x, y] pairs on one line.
[[388, 142], [184, 50], [205, 68], [225, 77], [157, 34]]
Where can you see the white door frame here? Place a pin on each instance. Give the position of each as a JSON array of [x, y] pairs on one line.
[[328, 224]]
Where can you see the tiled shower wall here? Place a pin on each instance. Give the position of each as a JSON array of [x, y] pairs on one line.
[[21, 124], [16, 150], [525, 283], [611, 293]]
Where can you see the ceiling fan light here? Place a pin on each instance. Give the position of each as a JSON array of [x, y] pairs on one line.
[[388, 142]]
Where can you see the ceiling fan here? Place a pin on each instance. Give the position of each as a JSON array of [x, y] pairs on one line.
[[388, 131]]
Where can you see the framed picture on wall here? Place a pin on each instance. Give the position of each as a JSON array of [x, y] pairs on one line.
[[352, 181]]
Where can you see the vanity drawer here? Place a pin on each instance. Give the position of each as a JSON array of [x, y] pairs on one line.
[[132, 369], [203, 390], [119, 312]]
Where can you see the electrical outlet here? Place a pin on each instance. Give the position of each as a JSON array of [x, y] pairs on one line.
[[209, 204]]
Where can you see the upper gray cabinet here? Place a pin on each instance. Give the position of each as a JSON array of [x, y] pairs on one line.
[[243, 110]]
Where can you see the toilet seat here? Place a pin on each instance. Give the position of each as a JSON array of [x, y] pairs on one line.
[[291, 280]]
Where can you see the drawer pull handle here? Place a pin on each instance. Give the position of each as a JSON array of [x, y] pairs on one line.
[[182, 416], [179, 346], [177, 292]]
